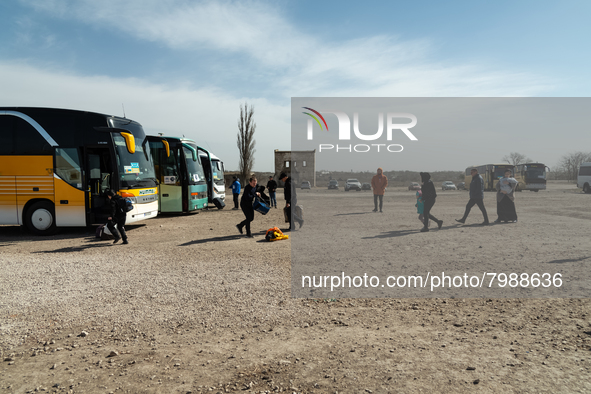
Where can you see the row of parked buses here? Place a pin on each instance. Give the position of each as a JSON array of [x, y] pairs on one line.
[[530, 176], [55, 165]]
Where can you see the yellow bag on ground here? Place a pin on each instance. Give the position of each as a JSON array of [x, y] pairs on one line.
[[274, 234]]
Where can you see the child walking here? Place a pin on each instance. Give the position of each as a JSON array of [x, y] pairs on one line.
[[420, 205]]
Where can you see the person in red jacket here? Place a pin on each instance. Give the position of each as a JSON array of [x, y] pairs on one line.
[[378, 184]]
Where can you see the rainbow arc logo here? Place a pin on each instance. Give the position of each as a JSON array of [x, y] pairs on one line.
[[315, 118]]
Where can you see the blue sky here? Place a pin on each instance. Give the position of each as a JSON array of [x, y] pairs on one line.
[[183, 67]]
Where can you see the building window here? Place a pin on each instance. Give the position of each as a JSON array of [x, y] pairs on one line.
[[294, 163], [304, 163], [286, 164]]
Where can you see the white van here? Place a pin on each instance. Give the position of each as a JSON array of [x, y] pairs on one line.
[[584, 178]]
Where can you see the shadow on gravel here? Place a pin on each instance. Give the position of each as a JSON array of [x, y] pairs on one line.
[[79, 248], [213, 239], [352, 213], [229, 238], [472, 225], [568, 260], [401, 233]]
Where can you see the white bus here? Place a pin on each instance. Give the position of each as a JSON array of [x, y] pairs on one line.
[[584, 178]]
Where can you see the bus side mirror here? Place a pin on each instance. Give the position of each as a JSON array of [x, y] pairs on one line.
[[129, 142], [167, 147]]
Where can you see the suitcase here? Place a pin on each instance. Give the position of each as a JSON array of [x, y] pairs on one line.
[[260, 206], [219, 203]]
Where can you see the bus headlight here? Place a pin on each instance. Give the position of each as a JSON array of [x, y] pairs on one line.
[[131, 197]]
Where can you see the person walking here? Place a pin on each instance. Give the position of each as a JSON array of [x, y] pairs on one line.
[[476, 197], [272, 187], [116, 222], [246, 204], [506, 199], [428, 194], [236, 191], [291, 200], [378, 184]]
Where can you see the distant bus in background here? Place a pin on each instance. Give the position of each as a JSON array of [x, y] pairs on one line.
[[183, 186], [491, 173], [214, 173], [584, 178], [56, 164], [530, 176]]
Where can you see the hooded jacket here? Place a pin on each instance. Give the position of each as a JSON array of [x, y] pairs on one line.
[[428, 188], [379, 183]]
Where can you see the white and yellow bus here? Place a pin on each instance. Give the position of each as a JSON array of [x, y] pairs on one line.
[[55, 165], [491, 173], [530, 176]]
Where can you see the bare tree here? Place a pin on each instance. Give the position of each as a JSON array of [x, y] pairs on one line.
[[516, 158], [570, 163], [245, 141]]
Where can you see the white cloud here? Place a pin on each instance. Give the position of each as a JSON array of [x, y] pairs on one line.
[[297, 63], [208, 116]]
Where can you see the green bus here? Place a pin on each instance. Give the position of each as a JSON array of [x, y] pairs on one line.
[[183, 185]]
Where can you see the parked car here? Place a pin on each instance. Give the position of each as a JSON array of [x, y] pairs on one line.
[[352, 184], [414, 186], [448, 185], [306, 185], [462, 186], [366, 186], [333, 184]]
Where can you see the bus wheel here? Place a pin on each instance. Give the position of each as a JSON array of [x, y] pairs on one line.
[[586, 188], [40, 218]]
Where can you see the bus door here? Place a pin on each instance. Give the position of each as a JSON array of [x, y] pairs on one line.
[[70, 198], [99, 178]]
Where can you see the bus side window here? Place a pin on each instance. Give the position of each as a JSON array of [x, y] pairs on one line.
[[7, 138], [28, 140], [67, 166]]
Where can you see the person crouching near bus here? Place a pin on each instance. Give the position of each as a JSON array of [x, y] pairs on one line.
[[429, 195], [476, 197], [116, 221], [246, 202], [236, 191], [506, 199]]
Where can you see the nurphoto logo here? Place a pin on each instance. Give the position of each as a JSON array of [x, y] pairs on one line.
[[345, 131]]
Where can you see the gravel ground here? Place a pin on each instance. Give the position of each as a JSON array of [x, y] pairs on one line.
[[191, 306]]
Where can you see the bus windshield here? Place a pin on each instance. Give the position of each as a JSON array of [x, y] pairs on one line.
[[217, 168], [536, 173], [134, 169], [195, 171]]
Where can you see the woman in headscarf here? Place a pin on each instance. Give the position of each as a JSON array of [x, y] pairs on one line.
[[506, 199], [429, 196]]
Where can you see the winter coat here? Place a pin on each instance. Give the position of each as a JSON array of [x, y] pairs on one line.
[[477, 187]]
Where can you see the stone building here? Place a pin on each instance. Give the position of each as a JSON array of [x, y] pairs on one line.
[[300, 165]]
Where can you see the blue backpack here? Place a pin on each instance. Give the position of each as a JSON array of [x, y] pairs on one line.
[[124, 204]]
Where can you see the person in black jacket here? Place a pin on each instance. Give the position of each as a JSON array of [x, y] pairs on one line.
[[291, 201], [246, 202], [116, 221], [429, 195], [476, 197], [272, 187]]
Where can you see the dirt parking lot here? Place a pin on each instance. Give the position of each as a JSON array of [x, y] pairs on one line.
[[191, 306]]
